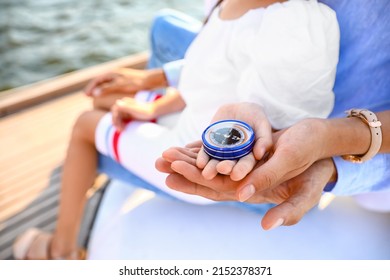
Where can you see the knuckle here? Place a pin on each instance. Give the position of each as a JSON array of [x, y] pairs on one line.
[[269, 179]]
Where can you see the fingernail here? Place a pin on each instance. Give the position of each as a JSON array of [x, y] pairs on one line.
[[246, 193], [97, 92], [278, 223]]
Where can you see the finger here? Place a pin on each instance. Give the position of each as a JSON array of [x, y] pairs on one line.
[[264, 176], [110, 88], [195, 150], [202, 159], [93, 84], [119, 117], [210, 170], [128, 100], [308, 188], [115, 116], [179, 154], [196, 144], [226, 166], [180, 183], [290, 211], [263, 134], [243, 167], [163, 165], [220, 183]]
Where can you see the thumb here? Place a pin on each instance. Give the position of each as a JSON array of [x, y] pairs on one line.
[[264, 176]]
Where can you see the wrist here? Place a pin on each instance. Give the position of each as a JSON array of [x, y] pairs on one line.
[[346, 136], [316, 131], [154, 110]]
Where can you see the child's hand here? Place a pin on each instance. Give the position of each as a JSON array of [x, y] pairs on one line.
[[253, 115], [127, 109]]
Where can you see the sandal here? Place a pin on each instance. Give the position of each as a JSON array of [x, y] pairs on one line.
[[35, 244]]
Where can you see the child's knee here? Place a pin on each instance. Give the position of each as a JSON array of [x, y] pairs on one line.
[[85, 125]]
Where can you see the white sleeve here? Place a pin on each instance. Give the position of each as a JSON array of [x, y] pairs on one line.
[[208, 6], [293, 62]]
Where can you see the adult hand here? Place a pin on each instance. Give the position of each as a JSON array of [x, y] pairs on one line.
[[128, 108], [295, 149], [294, 197], [253, 115], [123, 80]]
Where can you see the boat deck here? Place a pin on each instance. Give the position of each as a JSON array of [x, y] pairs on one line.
[[32, 147], [34, 132]]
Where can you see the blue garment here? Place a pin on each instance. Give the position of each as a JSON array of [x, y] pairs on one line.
[[171, 34], [362, 81]]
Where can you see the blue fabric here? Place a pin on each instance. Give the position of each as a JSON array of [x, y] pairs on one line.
[[171, 34], [362, 81]]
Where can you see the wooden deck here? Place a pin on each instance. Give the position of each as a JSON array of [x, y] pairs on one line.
[[33, 142]]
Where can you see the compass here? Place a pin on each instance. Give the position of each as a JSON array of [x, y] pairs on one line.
[[228, 139]]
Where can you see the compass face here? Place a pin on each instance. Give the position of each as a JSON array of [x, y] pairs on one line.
[[228, 140], [227, 136]]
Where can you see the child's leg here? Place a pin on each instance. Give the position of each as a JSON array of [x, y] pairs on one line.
[[78, 176]]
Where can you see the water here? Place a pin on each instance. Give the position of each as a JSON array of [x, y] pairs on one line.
[[40, 39]]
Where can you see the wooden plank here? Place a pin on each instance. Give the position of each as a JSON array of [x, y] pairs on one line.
[[23, 97]]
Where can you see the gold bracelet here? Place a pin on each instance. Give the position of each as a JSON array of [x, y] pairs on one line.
[[374, 125]]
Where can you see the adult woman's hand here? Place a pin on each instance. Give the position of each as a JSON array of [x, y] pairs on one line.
[[293, 197]]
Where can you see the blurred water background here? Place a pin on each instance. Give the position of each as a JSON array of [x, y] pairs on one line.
[[40, 39]]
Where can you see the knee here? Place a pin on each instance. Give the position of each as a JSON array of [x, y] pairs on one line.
[[82, 125]]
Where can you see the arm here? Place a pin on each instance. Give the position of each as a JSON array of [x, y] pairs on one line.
[[292, 177], [352, 136], [126, 109], [126, 80], [345, 136], [171, 102]]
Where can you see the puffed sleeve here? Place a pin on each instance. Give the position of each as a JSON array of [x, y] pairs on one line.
[[172, 71], [293, 54]]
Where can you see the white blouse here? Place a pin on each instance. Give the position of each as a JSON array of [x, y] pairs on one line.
[[282, 57]]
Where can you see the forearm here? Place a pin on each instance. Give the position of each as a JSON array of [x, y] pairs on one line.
[[171, 102], [384, 118], [345, 136], [155, 78], [147, 79]]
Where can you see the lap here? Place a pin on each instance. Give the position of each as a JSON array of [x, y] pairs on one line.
[[135, 224]]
